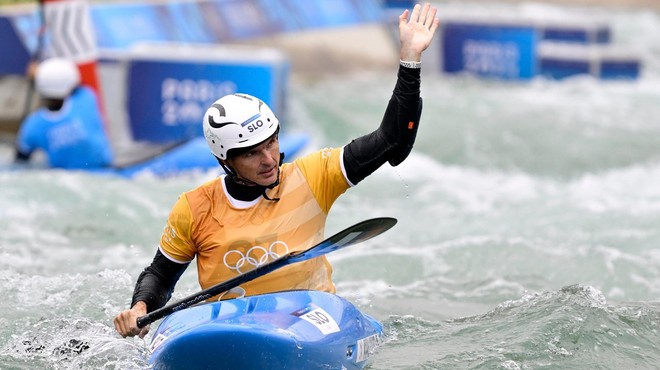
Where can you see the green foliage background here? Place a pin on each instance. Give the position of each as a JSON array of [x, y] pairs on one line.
[[12, 2]]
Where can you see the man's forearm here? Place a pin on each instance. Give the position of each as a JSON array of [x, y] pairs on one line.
[[394, 138], [156, 282]]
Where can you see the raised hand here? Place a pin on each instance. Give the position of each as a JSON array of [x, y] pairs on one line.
[[417, 32]]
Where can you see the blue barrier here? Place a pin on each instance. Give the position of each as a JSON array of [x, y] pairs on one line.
[[14, 57], [489, 50], [620, 69], [119, 25], [584, 34], [515, 50], [558, 68], [216, 21], [562, 60], [399, 4], [170, 86]]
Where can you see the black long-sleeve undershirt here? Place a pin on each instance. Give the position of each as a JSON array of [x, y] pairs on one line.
[[156, 282], [394, 138]]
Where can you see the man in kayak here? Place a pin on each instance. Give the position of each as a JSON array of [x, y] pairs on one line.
[[68, 127], [261, 208]]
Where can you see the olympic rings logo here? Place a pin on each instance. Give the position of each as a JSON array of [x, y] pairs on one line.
[[253, 258]]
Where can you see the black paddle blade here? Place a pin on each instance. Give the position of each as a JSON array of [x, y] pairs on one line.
[[355, 234]]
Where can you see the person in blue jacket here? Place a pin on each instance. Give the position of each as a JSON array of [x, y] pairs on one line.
[[68, 126]]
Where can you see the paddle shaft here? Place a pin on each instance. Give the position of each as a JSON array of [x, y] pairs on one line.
[[357, 233]]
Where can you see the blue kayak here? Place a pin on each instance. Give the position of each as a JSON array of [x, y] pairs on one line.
[[286, 330]]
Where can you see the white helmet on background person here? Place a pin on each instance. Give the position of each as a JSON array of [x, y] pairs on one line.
[[237, 121], [56, 78]]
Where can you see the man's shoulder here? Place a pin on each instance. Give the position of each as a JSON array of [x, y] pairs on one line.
[[210, 189], [199, 197], [83, 90], [207, 186], [84, 95], [34, 118], [322, 163], [320, 155]]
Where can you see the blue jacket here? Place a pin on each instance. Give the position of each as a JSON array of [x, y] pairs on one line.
[[73, 137]]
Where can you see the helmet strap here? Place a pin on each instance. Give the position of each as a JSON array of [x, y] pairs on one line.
[[277, 182]]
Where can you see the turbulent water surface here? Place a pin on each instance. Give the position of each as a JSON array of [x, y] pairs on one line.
[[528, 234]]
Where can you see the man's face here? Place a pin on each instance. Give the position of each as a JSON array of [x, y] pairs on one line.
[[260, 164]]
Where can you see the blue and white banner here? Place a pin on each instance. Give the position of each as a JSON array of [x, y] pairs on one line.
[[489, 50], [167, 97]]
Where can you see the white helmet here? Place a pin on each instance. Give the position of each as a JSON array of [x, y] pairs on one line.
[[237, 121], [56, 78]]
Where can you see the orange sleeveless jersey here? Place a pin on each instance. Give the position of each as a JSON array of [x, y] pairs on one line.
[[228, 241]]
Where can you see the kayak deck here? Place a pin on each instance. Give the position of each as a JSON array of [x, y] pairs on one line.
[[285, 330]]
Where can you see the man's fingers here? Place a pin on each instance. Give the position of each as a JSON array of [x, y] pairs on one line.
[[415, 13], [423, 16], [143, 331], [403, 18], [120, 328], [430, 17], [126, 325]]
